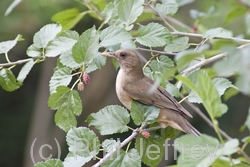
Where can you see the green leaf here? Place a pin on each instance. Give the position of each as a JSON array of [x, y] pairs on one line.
[[109, 145], [108, 11], [247, 23], [8, 80], [247, 122], [67, 60], [129, 44], [83, 142], [152, 35], [68, 18], [109, 120], [75, 160], [25, 71], [129, 10], [246, 139], [173, 90], [113, 35], [50, 163], [203, 150], [151, 150], [178, 44], [86, 47], [65, 41], [6, 46], [168, 7], [235, 13], [183, 2], [207, 93], [141, 113], [162, 64], [61, 76], [217, 32], [130, 158], [34, 51], [46, 34], [68, 103]]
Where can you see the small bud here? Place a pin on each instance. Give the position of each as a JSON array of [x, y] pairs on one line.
[[80, 86], [86, 78], [145, 134], [195, 28]]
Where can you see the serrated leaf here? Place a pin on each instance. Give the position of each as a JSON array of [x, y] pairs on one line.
[[129, 44], [68, 18], [109, 120], [6, 46], [207, 93], [67, 60], [73, 160], [183, 2], [130, 158], [141, 113], [68, 103], [50, 163], [109, 145], [221, 84], [108, 11], [129, 10], [86, 47], [162, 65], [152, 35], [113, 36], [151, 150], [61, 76], [83, 142], [65, 41], [173, 90], [8, 80], [168, 7], [178, 44], [25, 71], [202, 151], [217, 32], [46, 34], [33, 51]]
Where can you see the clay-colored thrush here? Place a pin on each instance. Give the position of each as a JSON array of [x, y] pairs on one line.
[[131, 83]]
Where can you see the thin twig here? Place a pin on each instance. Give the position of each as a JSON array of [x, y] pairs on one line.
[[126, 141], [18, 62], [163, 19], [178, 23], [156, 51], [200, 36]]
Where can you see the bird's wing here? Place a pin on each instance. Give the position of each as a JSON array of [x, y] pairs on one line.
[[140, 90]]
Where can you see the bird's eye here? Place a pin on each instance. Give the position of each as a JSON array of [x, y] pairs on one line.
[[123, 54]]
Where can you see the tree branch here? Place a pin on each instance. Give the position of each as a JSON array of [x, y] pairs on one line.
[[18, 62], [243, 41], [178, 23], [163, 19], [156, 51], [126, 141]]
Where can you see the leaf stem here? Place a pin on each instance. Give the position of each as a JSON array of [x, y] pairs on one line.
[[183, 99], [128, 146], [130, 128], [7, 57], [75, 83]]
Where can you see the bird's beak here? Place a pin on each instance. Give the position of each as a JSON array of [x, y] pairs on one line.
[[108, 54]]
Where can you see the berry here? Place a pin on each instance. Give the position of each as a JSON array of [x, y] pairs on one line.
[[80, 86], [145, 134], [86, 78], [195, 28]]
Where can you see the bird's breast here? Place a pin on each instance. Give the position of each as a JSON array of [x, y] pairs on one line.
[[121, 94]]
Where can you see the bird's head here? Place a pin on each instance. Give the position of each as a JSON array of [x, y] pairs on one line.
[[128, 59]]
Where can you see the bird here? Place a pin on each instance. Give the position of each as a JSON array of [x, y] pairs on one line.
[[132, 84]]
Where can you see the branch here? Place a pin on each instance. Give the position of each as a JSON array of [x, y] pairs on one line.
[[126, 141], [178, 23], [18, 62], [163, 19], [204, 62], [200, 36], [156, 51]]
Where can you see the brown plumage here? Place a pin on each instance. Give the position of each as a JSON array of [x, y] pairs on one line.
[[131, 84]]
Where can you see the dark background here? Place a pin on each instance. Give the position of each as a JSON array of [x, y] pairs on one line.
[[24, 114]]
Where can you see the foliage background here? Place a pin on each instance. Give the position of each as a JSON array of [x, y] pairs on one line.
[[25, 114]]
